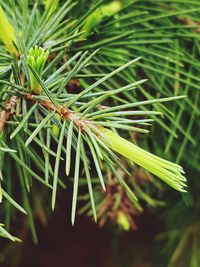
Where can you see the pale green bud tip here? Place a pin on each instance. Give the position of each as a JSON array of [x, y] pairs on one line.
[[112, 8], [36, 58], [167, 171], [123, 221], [38, 52], [98, 15], [51, 4], [7, 33]]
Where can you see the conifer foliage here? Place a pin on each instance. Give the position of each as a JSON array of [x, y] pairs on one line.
[[75, 104]]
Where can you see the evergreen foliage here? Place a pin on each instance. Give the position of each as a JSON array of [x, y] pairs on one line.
[[75, 102]]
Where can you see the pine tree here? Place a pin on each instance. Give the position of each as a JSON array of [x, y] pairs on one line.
[[75, 102]]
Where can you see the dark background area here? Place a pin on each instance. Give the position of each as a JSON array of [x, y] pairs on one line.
[[84, 245]]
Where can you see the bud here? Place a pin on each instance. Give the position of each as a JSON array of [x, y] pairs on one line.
[[167, 171], [123, 221], [98, 15], [51, 5], [36, 58], [7, 33]]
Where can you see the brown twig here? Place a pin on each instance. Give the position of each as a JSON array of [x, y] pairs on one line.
[[7, 113], [63, 111]]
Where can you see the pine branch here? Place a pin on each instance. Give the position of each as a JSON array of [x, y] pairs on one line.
[[37, 110]]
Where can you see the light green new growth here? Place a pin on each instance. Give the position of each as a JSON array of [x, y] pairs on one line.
[[36, 58], [7, 33], [169, 172], [100, 13]]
